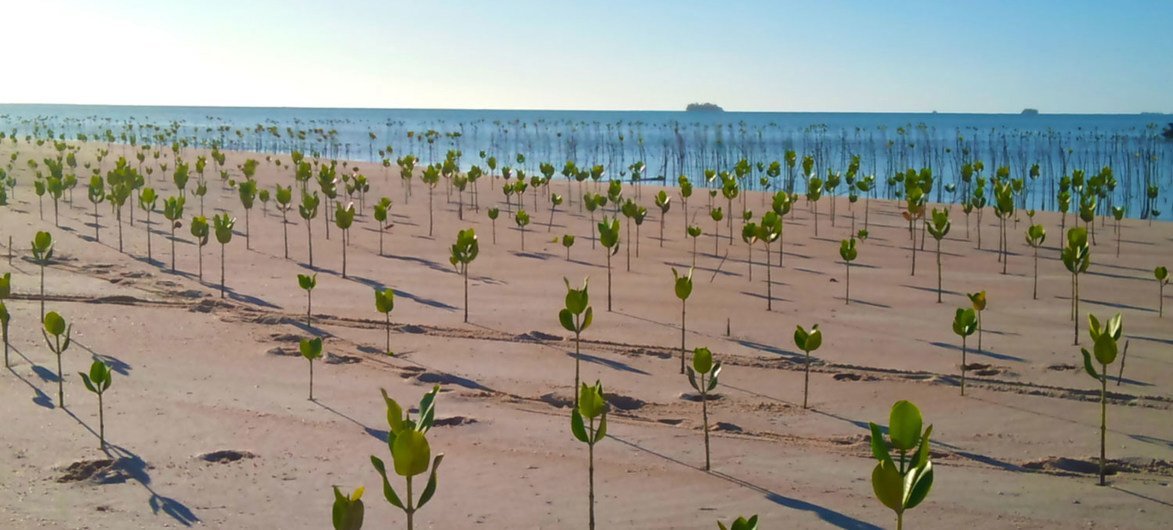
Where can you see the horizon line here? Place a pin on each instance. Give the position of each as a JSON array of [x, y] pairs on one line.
[[505, 109]]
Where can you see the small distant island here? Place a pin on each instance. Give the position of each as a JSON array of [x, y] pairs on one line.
[[1030, 112], [703, 107]]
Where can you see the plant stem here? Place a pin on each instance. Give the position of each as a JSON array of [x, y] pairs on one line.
[[311, 379], [806, 380], [963, 365], [465, 271], [410, 510], [388, 315], [705, 417], [939, 271], [101, 424], [60, 376], [1103, 417], [683, 308], [221, 270], [591, 474]]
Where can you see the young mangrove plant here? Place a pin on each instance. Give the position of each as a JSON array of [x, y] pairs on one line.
[[1035, 236], [609, 238], [682, 286], [494, 213], [567, 241], [173, 212], [1076, 258], [382, 216], [307, 282], [311, 349], [702, 375], [462, 253], [741, 523], [98, 381], [555, 202], [97, 194], [199, 230], [284, 199], [664, 202], [308, 210], [1162, 275], [902, 486], [410, 453], [522, 220], [694, 232], [978, 301], [939, 228], [576, 317], [55, 326], [848, 252], [222, 224], [807, 341], [385, 303], [5, 316], [1105, 340], [42, 253], [344, 218], [717, 214], [148, 200], [348, 510], [591, 407], [965, 322], [247, 190]]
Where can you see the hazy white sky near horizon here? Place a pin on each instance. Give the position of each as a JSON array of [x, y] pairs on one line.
[[990, 56]]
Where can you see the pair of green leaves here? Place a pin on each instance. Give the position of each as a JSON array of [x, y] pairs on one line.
[[682, 284], [703, 364], [741, 523], [223, 226], [591, 405], [1036, 235], [384, 300], [902, 487], [410, 451], [311, 348], [307, 281], [43, 247], [308, 209], [577, 316], [466, 248], [694, 231], [1076, 255], [1105, 343], [199, 229], [978, 300], [847, 249], [965, 322], [663, 201], [173, 209], [609, 233], [1161, 274], [521, 218], [348, 510], [99, 378], [344, 215], [808, 341], [382, 209], [940, 224]]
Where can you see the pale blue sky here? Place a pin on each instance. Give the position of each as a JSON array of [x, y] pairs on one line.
[[951, 56]]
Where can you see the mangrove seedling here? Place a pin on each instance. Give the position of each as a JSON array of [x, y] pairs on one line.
[[717, 214], [682, 286], [904, 485], [591, 406], [284, 199], [98, 381], [609, 238], [311, 349], [664, 202], [567, 241], [173, 212], [410, 453], [148, 201], [344, 218], [382, 215], [965, 322], [97, 194], [848, 252], [1105, 347], [5, 319], [768, 230], [494, 213], [1076, 258], [749, 234], [576, 317], [348, 510], [741, 523], [55, 326], [307, 282], [522, 220], [199, 230], [694, 232], [1035, 236], [702, 375], [42, 253], [248, 195], [978, 300], [555, 202], [807, 341], [1162, 275], [939, 228], [462, 253], [385, 303], [308, 210], [222, 224]]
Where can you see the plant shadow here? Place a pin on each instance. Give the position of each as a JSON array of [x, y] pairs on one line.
[[612, 364], [983, 352]]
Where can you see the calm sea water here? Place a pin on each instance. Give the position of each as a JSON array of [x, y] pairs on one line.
[[671, 143]]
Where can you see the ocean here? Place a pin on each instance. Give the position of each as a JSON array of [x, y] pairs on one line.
[[670, 144]]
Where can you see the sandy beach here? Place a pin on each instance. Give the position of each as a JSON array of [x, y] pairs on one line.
[[210, 426]]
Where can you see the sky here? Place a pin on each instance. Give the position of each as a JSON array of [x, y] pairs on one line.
[[989, 56]]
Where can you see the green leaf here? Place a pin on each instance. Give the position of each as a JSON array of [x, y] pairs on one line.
[[587, 319], [430, 489], [601, 432], [1087, 364], [920, 487], [1105, 349], [888, 485], [311, 348], [394, 413], [692, 378], [879, 448], [567, 320], [702, 360], [577, 427], [388, 491], [54, 324], [411, 453], [85, 378], [904, 425]]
